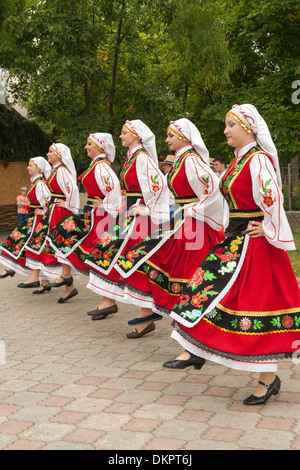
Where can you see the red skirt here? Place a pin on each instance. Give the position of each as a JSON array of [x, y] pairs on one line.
[[160, 280], [257, 321]]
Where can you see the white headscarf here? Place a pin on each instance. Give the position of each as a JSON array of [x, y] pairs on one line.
[[65, 154], [146, 135], [41, 165], [186, 128], [251, 117], [105, 142]]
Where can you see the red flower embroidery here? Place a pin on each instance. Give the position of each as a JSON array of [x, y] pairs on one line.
[[106, 239], [183, 299], [196, 300], [39, 227], [268, 201], [59, 239], [16, 235], [175, 287], [287, 321], [69, 224], [96, 253], [197, 277]]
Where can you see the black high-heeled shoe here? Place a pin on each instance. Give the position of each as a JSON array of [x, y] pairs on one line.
[[272, 389], [68, 281], [193, 360], [9, 272], [44, 289]]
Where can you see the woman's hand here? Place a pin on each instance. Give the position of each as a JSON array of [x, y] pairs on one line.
[[138, 210], [60, 203], [38, 212], [98, 203], [186, 213], [255, 230]]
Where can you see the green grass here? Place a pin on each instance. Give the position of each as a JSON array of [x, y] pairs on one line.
[[295, 254]]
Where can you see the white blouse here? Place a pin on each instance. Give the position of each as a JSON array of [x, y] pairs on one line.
[[42, 193], [109, 185], [70, 189], [153, 187], [268, 196], [205, 184]]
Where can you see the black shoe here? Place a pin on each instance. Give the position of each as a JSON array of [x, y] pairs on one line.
[[195, 361], [29, 285], [61, 300], [272, 389], [44, 289], [66, 282], [9, 272]]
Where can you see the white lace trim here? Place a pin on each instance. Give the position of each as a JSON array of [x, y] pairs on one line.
[[104, 288], [134, 298], [259, 366], [15, 266], [47, 271], [221, 295]]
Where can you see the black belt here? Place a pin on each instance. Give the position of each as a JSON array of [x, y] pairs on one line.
[[239, 219]]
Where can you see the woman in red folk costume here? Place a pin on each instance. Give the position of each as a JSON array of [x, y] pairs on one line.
[[38, 193], [74, 237], [64, 201], [155, 272], [242, 307], [147, 205]]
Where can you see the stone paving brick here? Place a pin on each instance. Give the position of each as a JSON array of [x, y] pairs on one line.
[[165, 444], [70, 383], [13, 426], [222, 434], [84, 436], [23, 444], [68, 417], [282, 424], [142, 425], [6, 410]]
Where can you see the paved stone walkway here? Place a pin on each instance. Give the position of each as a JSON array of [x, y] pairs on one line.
[[69, 383]]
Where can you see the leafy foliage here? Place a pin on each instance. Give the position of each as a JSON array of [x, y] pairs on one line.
[[87, 66]]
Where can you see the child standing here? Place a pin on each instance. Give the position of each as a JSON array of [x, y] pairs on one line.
[[23, 205]]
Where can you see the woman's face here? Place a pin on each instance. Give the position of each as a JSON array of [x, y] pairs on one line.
[[32, 170], [236, 135], [92, 150], [127, 139], [53, 158], [174, 142]]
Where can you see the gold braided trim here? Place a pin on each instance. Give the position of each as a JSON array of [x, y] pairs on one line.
[[92, 199], [245, 215], [35, 206], [249, 334], [131, 131], [35, 166], [177, 133], [257, 314], [97, 144], [171, 279], [56, 151], [186, 200], [241, 121], [60, 196], [133, 194]]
